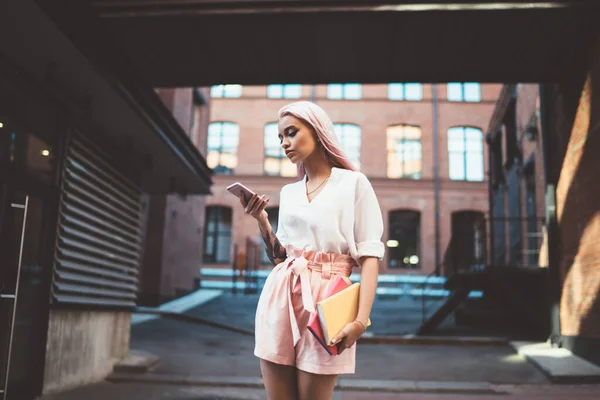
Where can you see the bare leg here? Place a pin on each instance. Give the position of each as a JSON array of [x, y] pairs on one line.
[[280, 380], [315, 387]]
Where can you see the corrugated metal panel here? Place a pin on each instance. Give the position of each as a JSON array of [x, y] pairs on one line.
[[99, 245]]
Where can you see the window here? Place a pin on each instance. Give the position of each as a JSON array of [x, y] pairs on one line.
[[470, 91], [404, 152], [403, 243], [465, 152], [273, 220], [276, 162], [230, 91], [223, 139], [405, 91], [290, 91], [217, 235], [349, 138], [468, 242], [344, 91]]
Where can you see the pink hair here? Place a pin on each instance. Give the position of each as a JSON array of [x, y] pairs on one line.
[[315, 117]]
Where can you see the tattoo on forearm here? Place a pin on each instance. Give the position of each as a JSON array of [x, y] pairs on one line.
[[274, 249]]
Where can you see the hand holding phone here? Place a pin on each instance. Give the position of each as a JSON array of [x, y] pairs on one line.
[[254, 205], [240, 190]]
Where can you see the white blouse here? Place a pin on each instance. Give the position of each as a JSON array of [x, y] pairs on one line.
[[343, 218]]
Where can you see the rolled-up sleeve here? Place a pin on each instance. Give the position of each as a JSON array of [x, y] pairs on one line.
[[368, 221]]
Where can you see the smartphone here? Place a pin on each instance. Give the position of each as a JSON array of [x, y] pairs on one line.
[[238, 190]]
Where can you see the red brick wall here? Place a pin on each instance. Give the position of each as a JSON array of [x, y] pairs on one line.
[[578, 198], [374, 113]]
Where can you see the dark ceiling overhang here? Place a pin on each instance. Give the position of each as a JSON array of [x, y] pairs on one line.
[[202, 42], [62, 48]]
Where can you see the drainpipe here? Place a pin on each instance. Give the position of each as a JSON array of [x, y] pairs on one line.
[[436, 178], [489, 243], [313, 93]]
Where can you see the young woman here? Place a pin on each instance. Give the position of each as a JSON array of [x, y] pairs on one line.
[[329, 222]]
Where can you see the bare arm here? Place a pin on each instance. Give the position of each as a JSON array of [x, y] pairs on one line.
[[368, 286], [274, 249], [256, 208]]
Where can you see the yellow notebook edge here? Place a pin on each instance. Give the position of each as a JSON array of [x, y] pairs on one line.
[[322, 320]]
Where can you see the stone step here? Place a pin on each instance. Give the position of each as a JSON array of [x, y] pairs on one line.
[[137, 362], [558, 364]]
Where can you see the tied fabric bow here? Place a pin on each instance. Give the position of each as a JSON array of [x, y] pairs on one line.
[[298, 269]]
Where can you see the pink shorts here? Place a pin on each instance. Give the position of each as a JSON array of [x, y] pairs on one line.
[[287, 300]]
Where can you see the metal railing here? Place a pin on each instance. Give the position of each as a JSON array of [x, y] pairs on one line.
[[506, 241]]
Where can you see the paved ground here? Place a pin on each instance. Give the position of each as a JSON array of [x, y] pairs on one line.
[[190, 351], [199, 350], [121, 391]]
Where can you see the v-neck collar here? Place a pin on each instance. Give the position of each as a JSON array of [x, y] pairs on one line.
[[306, 199]]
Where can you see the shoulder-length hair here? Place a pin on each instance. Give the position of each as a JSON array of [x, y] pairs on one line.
[[315, 117]]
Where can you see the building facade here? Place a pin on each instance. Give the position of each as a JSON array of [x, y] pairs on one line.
[[174, 224], [82, 140], [421, 146], [543, 141]]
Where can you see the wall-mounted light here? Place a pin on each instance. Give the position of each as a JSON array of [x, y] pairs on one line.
[[392, 243], [45, 153], [1, 125], [414, 259]]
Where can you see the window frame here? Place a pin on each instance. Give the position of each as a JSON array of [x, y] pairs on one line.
[[463, 93], [344, 90], [465, 153], [284, 87], [226, 91], [409, 213], [405, 140], [220, 215], [341, 139], [402, 87], [216, 170]]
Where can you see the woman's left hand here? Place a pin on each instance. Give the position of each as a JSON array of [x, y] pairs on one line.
[[349, 335]]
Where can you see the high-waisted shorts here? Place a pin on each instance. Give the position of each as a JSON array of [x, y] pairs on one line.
[[287, 300]]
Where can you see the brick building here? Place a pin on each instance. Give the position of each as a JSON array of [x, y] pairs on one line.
[[389, 131], [543, 142]]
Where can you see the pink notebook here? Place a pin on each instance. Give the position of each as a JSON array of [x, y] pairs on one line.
[[314, 325]]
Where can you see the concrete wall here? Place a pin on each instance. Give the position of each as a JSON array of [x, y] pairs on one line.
[[83, 347]]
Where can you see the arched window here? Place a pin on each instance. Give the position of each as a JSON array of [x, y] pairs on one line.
[[349, 136], [223, 140], [465, 153], [404, 151], [217, 235], [468, 243], [273, 220], [276, 162], [404, 239]]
